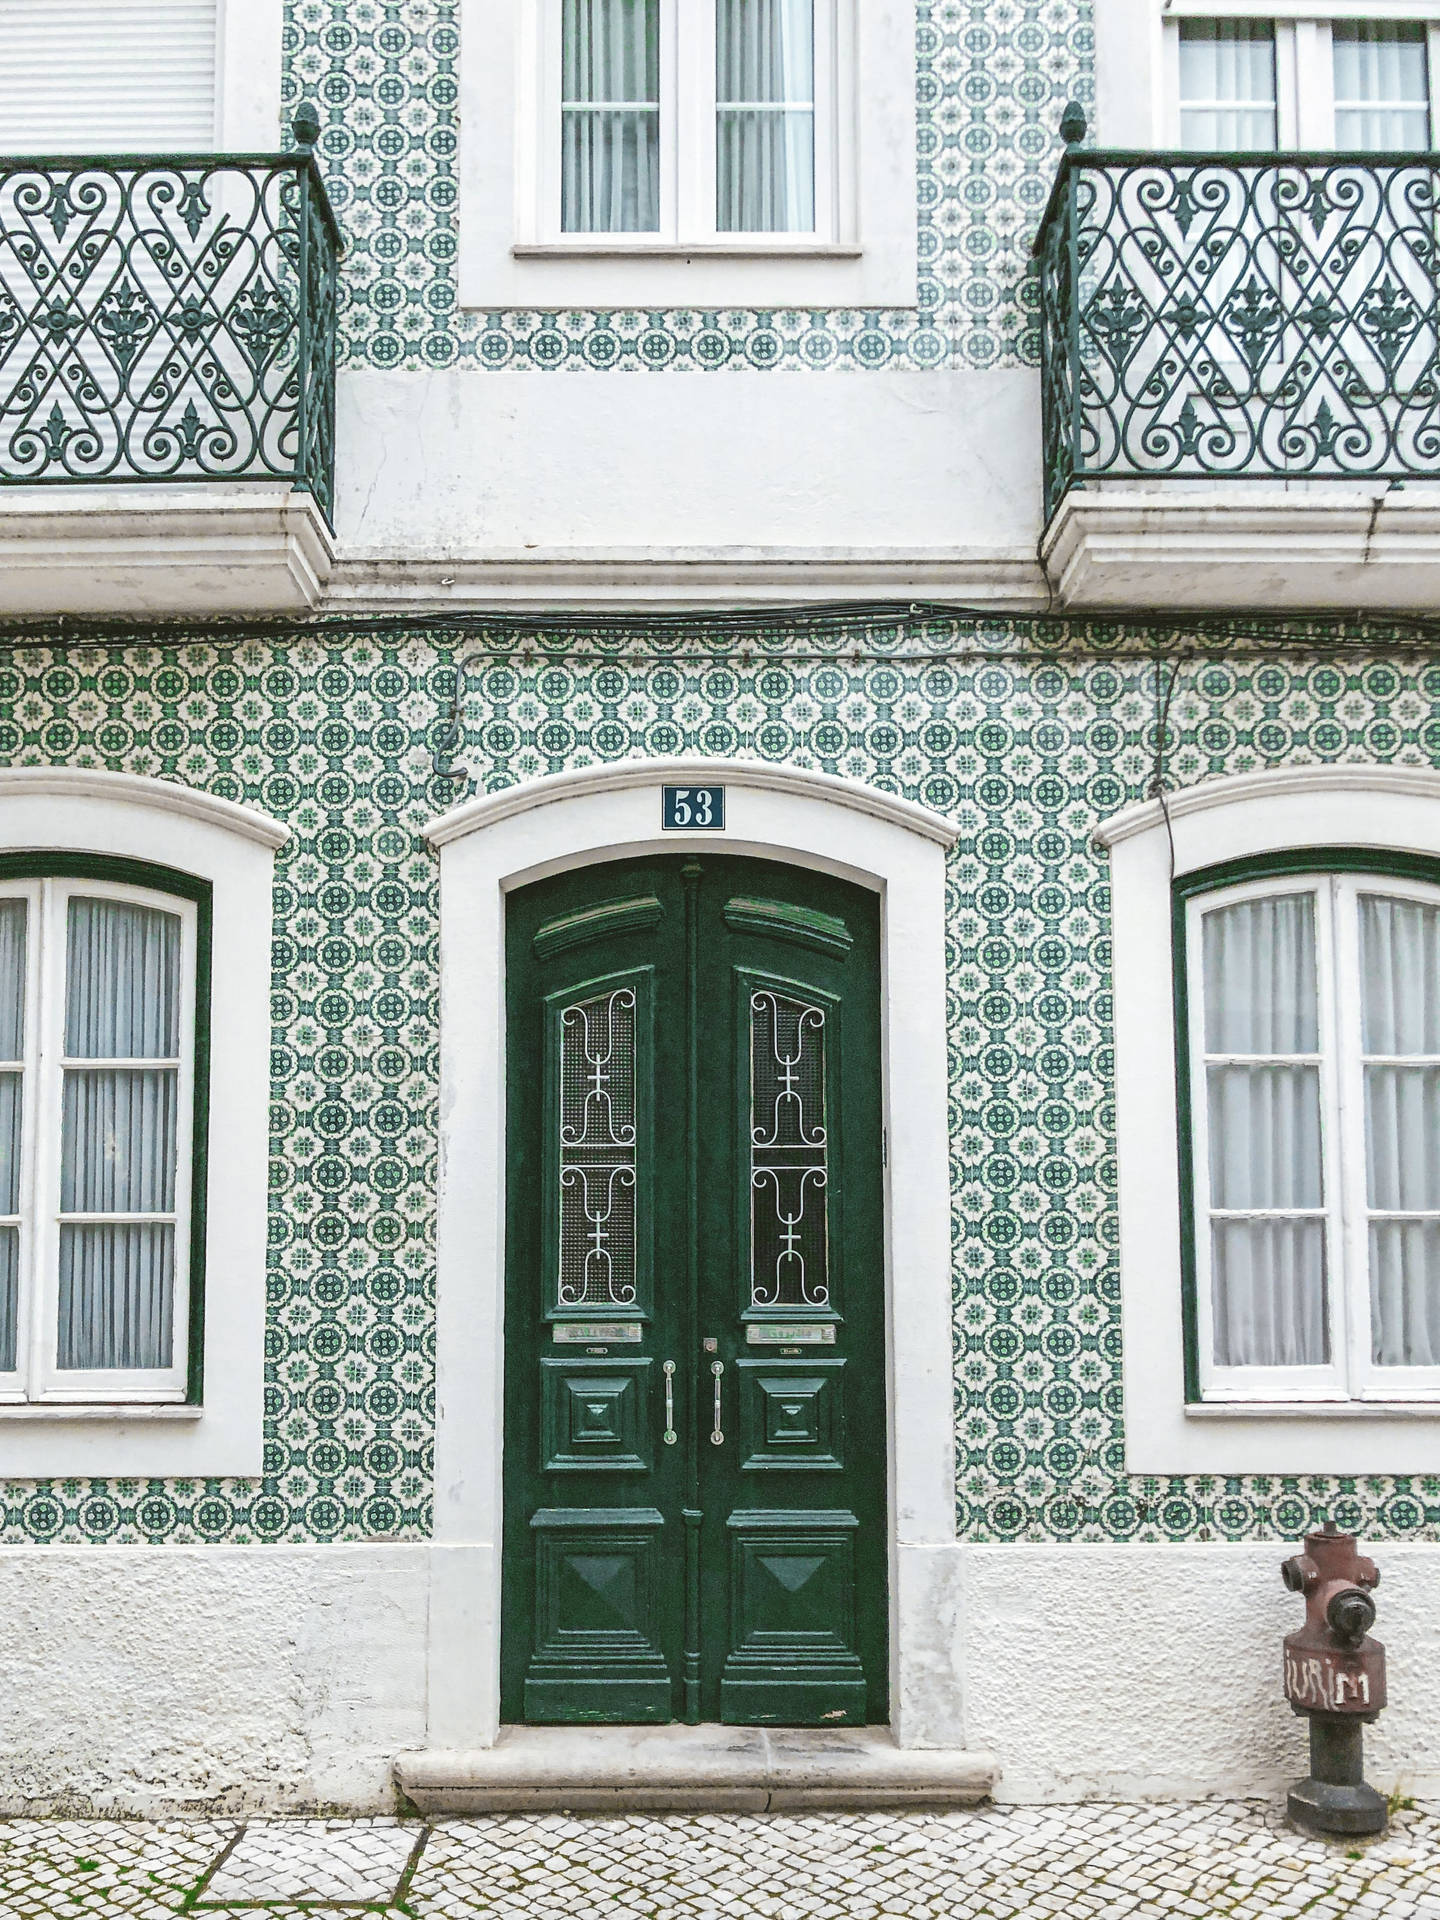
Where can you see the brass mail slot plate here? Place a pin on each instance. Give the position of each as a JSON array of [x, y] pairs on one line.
[[806, 1334], [578, 1333]]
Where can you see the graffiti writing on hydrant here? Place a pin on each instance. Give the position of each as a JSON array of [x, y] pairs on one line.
[[1319, 1681]]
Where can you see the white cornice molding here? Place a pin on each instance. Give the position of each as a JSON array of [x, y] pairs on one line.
[[139, 790], [621, 776], [1412, 783]]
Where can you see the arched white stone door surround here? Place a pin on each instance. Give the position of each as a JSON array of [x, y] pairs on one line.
[[500, 841]]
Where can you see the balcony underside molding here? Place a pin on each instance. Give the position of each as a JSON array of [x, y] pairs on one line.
[[1246, 544], [666, 578], [191, 548]]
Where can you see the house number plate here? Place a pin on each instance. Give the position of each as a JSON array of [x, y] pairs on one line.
[[683, 809]]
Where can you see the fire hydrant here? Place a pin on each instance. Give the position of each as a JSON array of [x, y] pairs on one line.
[[1335, 1675]]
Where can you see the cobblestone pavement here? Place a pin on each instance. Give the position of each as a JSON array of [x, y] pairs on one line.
[[1153, 1862]]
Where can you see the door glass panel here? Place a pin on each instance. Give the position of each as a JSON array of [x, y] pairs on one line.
[[789, 1255], [597, 1152]]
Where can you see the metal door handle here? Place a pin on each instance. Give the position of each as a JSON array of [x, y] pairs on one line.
[[669, 1436], [717, 1436]]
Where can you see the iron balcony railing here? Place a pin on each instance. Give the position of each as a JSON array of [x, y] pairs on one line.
[[167, 318], [1208, 316]]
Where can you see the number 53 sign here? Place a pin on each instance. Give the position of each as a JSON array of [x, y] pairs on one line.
[[690, 807]]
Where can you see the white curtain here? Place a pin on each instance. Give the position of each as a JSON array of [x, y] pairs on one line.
[[12, 1047], [118, 1135], [610, 117], [1400, 1015], [1268, 1275], [765, 116], [1227, 86], [1381, 86]]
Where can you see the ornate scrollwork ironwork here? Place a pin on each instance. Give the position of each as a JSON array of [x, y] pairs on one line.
[[1240, 317], [789, 1242], [597, 1124], [167, 320]]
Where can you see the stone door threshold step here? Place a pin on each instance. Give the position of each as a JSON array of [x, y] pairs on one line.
[[719, 1769]]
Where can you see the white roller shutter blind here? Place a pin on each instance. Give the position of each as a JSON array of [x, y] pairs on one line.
[[107, 76]]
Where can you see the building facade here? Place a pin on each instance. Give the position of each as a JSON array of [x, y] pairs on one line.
[[719, 880]]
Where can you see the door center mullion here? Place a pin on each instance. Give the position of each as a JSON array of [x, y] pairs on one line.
[[690, 875]]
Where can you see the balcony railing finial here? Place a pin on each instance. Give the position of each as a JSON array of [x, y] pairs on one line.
[[1073, 123], [306, 125]]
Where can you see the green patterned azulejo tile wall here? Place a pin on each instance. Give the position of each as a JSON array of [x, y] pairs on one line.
[[991, 79], [1025, 734]]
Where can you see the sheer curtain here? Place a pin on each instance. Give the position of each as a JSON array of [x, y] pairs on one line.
[[1227, 86], [12, 1048], [1400, 1017], [1267, 1266], [765, 116], [118, 1135], [610, 116], [1382, 93]]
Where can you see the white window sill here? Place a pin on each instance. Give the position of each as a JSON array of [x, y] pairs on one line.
[[117, 1410], [1314, 1410], [623, 247]]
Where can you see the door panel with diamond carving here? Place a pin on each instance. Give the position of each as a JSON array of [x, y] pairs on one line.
[[695, 1419]]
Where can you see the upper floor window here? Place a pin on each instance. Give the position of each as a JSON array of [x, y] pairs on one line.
[[98, 998], [687, 122], [1359, 84], [1314, 1107]]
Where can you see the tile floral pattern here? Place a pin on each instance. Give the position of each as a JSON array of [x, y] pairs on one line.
[[1025, 733], [992, 77]]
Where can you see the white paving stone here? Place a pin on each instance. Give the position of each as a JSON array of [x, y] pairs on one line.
[[1197, 1861], [313, 1861]]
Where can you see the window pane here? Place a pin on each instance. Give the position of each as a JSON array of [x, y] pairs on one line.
[[1405, 1293], [610, 116], [117, 1141], [1399, 975], [123, 982], [1382, 91], [1268, 1290], [9, 1295], [11, 1111], [1259, 960], [1227, 86], [117, 1288], [765, 116], [1264, 1128], [1402, 1138], [12, 979]]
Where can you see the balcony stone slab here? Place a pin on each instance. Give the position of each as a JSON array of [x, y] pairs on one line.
[[193, 548], [1282, 546]]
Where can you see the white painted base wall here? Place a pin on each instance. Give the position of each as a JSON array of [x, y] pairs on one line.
[[145, 1680]]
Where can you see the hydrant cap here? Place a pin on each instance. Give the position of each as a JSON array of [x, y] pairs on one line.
[[1350, 1614]]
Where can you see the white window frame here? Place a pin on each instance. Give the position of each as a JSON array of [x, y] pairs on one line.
[[1351, 1374], [862, 251], [687, 114], [37, 1378], [1137, 95], [67, 810], [249, 46], [1373, 810]]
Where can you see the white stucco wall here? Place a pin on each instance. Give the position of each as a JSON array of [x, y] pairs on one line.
[[1123, 1671], [902, 482], [140, 1680]]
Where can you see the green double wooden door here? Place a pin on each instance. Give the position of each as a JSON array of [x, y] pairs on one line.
[[695, 1426]]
